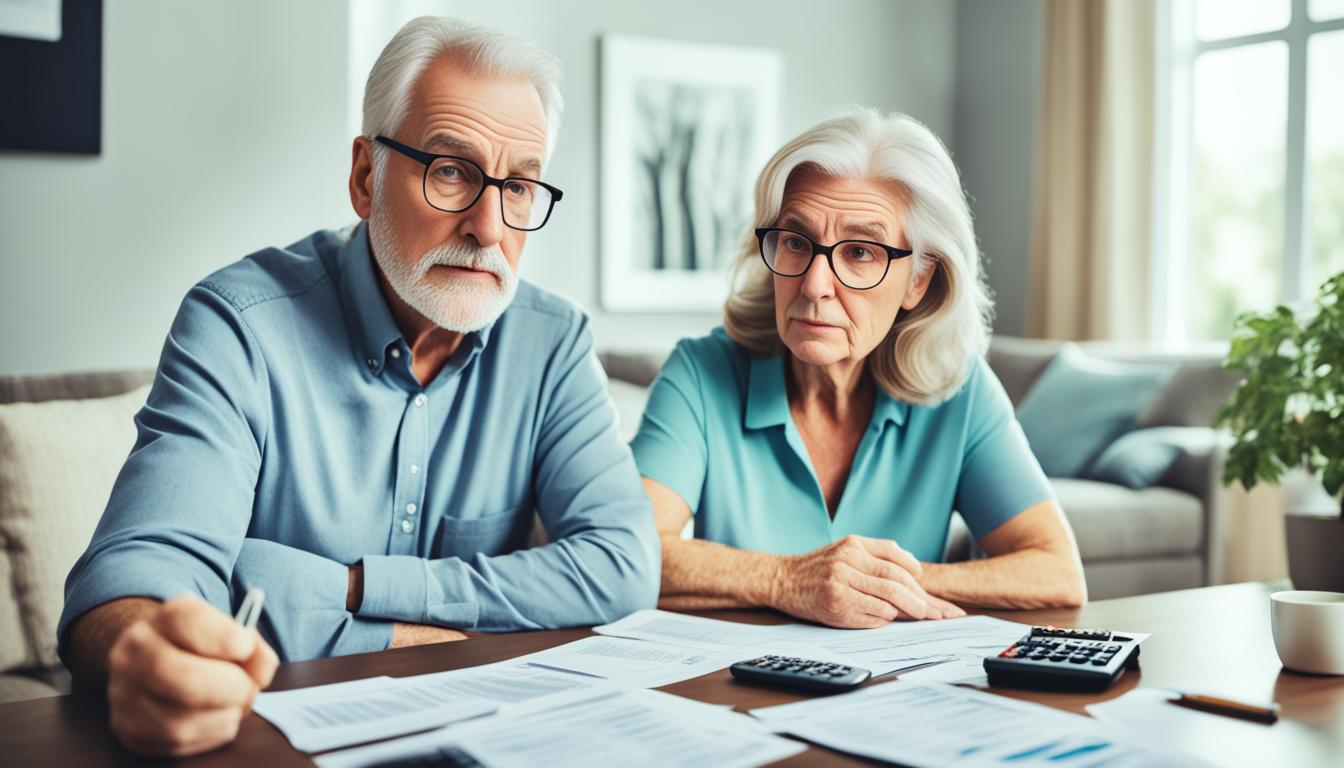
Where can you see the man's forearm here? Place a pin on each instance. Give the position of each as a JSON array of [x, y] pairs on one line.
[[93, 634], [1028, 578], [699, 574], [591, 577]]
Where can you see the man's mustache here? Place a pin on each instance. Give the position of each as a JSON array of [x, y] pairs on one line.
[[483, 259]]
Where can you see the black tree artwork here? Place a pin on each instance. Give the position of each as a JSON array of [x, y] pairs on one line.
[[692, 174]]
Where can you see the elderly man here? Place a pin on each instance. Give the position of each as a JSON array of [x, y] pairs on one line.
[[363, 423]]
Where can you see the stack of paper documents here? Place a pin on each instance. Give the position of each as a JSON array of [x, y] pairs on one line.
[[581, 703], [899, 645], [329, 716], [635, 663], [597, 727], [933, 724]]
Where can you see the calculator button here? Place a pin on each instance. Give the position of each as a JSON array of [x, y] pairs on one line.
[[1099, 661], [1112, 648], [1059, 657], [1077, 659]]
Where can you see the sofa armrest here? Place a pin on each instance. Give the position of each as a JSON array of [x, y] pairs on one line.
[[960, 544], [1198, 471]]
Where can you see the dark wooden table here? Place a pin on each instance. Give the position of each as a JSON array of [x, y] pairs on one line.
[[1215, 639]]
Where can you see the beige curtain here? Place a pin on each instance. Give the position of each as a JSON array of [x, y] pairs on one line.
[[1091, 203]]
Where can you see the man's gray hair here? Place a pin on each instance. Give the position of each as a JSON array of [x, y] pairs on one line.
[[387, 94], [928, 351]]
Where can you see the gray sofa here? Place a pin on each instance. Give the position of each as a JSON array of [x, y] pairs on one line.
[[63, 438]]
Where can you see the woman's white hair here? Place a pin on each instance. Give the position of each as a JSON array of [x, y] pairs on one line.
[[927, 354], [387, 94]]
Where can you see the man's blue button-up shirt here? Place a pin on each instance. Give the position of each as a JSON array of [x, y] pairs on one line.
[[286, 438]]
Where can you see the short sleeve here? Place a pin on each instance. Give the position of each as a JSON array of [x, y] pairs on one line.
[[670, 444], [1000, 476]]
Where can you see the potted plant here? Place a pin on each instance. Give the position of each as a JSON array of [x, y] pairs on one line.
[[1287, 413]]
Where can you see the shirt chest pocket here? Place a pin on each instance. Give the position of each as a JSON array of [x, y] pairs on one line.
[[494, 534]]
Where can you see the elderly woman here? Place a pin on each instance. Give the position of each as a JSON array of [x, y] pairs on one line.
[[822, 438]]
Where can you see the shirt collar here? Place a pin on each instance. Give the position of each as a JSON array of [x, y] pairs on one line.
[[768, 398], [373, 329], [371, 325]]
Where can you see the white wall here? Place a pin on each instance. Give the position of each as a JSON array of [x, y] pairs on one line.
[[998, 74], [892, 55], [224, 130], [227, 128]]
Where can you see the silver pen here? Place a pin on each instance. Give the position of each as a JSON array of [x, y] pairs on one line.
[[249, 613]]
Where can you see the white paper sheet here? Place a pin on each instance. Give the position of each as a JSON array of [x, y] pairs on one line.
[[933, 724], [330, 716], [968, 635], [693, 631], [597, 727], [1228, 740], [640, 663], [899, 645]]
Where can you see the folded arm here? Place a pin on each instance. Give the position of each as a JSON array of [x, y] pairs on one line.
[[603, 559], [1032, 562], [179, 511], [854, 582]]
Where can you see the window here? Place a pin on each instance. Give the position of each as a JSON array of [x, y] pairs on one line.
[[1252, 140]]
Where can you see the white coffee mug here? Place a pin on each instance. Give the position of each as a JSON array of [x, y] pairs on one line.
[[1309, 630]]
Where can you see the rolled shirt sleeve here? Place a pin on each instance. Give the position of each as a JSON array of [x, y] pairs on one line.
[[604, 559], [180, 508], [670, 446], [1000, 476]]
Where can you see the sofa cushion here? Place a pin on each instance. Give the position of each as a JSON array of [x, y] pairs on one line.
[[14, 650], [58, 461], [629, 400], [1080, 404], [1019, 362], [71, 386], [1143, 457], [1114, 523], [1192, 396], [636, 367], [22, 687]]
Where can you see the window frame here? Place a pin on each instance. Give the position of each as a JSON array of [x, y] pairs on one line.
[[1176, 52]]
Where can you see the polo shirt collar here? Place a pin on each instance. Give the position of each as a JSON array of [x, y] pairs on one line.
[[768, 397]]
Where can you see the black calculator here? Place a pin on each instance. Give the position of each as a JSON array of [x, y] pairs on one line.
[[805, 674], [1056, 659]]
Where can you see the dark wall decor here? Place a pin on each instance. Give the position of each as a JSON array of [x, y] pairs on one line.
[[51, 93]]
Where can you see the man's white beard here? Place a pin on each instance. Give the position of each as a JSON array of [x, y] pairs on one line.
[[462, 305]]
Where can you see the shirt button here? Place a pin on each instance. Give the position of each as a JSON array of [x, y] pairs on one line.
[[419, 400], [406, 526], [415, 468], [395, 353], [410, 509]]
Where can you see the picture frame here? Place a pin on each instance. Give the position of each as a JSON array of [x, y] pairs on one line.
[[685, 130]]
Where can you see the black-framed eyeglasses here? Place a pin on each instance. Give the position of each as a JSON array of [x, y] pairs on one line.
[[857, 264], [453, 184]]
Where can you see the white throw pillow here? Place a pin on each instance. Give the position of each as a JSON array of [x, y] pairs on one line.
[[630, 400], [58, 461]]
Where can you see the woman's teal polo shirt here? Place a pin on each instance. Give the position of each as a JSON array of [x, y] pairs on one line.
[[717, 430]]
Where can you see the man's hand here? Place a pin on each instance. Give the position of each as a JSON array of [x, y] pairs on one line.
[[856, 582], [180, 680]]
